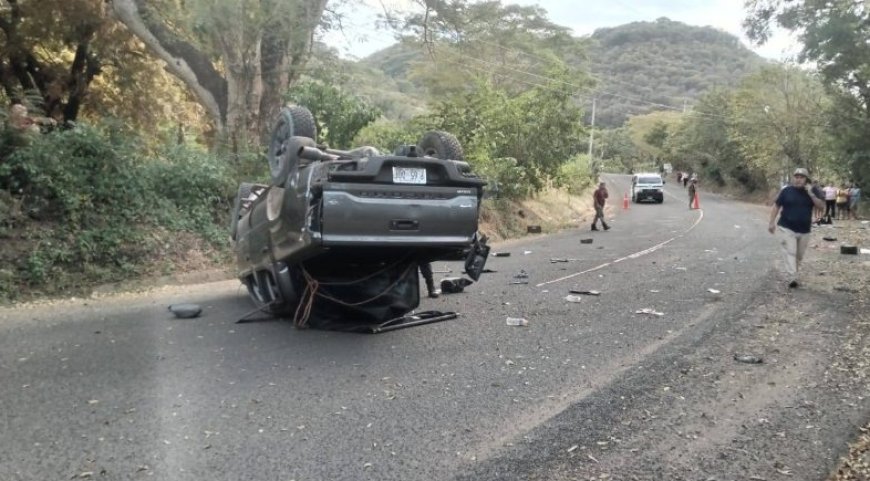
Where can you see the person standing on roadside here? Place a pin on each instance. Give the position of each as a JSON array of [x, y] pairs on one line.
[[843, 203], [599, 197], [854, 198], [830, 201], [693, 190], [794, 206]]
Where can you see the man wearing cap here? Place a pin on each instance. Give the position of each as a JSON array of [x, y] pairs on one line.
[[794, 206]]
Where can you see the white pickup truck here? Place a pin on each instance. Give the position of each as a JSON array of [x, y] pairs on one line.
[[647, 187]]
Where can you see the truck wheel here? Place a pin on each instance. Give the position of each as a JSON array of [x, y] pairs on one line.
[[442, 145], [243, 193], [289, 159], [293, 121], [275, 296]]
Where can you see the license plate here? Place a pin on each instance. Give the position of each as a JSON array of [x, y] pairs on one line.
[[408, 175]]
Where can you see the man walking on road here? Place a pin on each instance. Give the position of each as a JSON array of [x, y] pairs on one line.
[[599, 198], [794, 206]]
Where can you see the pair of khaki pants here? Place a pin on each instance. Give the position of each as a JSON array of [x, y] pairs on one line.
[[794, 246]]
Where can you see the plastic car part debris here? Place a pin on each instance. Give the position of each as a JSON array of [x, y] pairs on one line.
[[585, 293], [185, 311], [476, 258], [516, 321], [714, 291], [501, 254], [651, 312], [865, 251], [830, 239], [557, 261], [454, 285], [573, 298], [586, 241], [533, 229], [748, 359], [525, 253], [519, 283], [849, 250], [412, 320], [522, 275]]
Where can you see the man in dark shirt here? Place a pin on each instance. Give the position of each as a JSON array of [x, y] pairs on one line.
[[794, 206], [599, 198]]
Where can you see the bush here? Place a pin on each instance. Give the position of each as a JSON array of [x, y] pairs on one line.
[[575, 175], [90, 207]]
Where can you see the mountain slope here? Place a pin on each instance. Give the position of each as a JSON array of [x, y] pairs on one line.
[[662, 62], [636, 66]]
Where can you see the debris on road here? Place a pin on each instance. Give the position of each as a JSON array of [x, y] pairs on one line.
[[501, 254], [865, 251], [714, 291], [454, 285], [748, 359], [525, 253], [556, 260], [586, 241], [849, 250], [519, 283], [830, 239], [681, 268], [185, 311], [522, 274], [517, 321], [573, 298], [648, 311], [573, 448], [533, 229], [585, 293]]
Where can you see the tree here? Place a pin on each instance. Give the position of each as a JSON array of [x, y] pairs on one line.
[[511, 46], [32, 29], [339, 115], [237, 56], [835, 35], [779, 121]]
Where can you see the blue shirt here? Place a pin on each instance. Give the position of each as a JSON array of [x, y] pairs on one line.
[[797, 209]]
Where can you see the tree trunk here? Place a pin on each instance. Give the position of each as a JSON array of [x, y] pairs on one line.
[[259, 65], [183, 59]]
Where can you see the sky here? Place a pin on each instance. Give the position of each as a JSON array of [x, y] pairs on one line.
[[360, 37]]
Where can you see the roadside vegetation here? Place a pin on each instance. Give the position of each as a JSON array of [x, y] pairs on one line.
[[116, 162]]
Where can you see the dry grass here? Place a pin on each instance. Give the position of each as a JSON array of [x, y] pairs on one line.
[[552, 209]]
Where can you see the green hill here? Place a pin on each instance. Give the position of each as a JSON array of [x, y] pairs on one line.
[[662, 62], [636, 66]]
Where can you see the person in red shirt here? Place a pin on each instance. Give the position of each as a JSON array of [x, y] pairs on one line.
[[599, 198]]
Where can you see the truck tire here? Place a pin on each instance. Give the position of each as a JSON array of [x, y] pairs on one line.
[[243, 193], [289, 159], [293, 121], [441, 145]]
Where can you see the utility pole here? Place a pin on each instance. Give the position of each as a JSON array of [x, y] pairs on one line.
[[592, 129]]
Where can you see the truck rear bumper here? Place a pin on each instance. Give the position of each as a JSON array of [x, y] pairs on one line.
[[398, 215]]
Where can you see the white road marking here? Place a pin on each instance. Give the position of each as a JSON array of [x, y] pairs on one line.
[[630, 256]]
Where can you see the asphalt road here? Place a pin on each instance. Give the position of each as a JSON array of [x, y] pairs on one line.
[[114, 388]]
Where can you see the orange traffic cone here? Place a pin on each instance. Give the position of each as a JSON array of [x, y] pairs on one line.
[[696, 202], [625, 202]]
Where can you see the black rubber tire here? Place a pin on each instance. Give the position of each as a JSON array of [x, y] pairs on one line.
[[243, 193], [293, 121], [441, 145], [289, 159]]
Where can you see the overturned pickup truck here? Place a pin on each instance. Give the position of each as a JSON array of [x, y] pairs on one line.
[[338, 236]]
